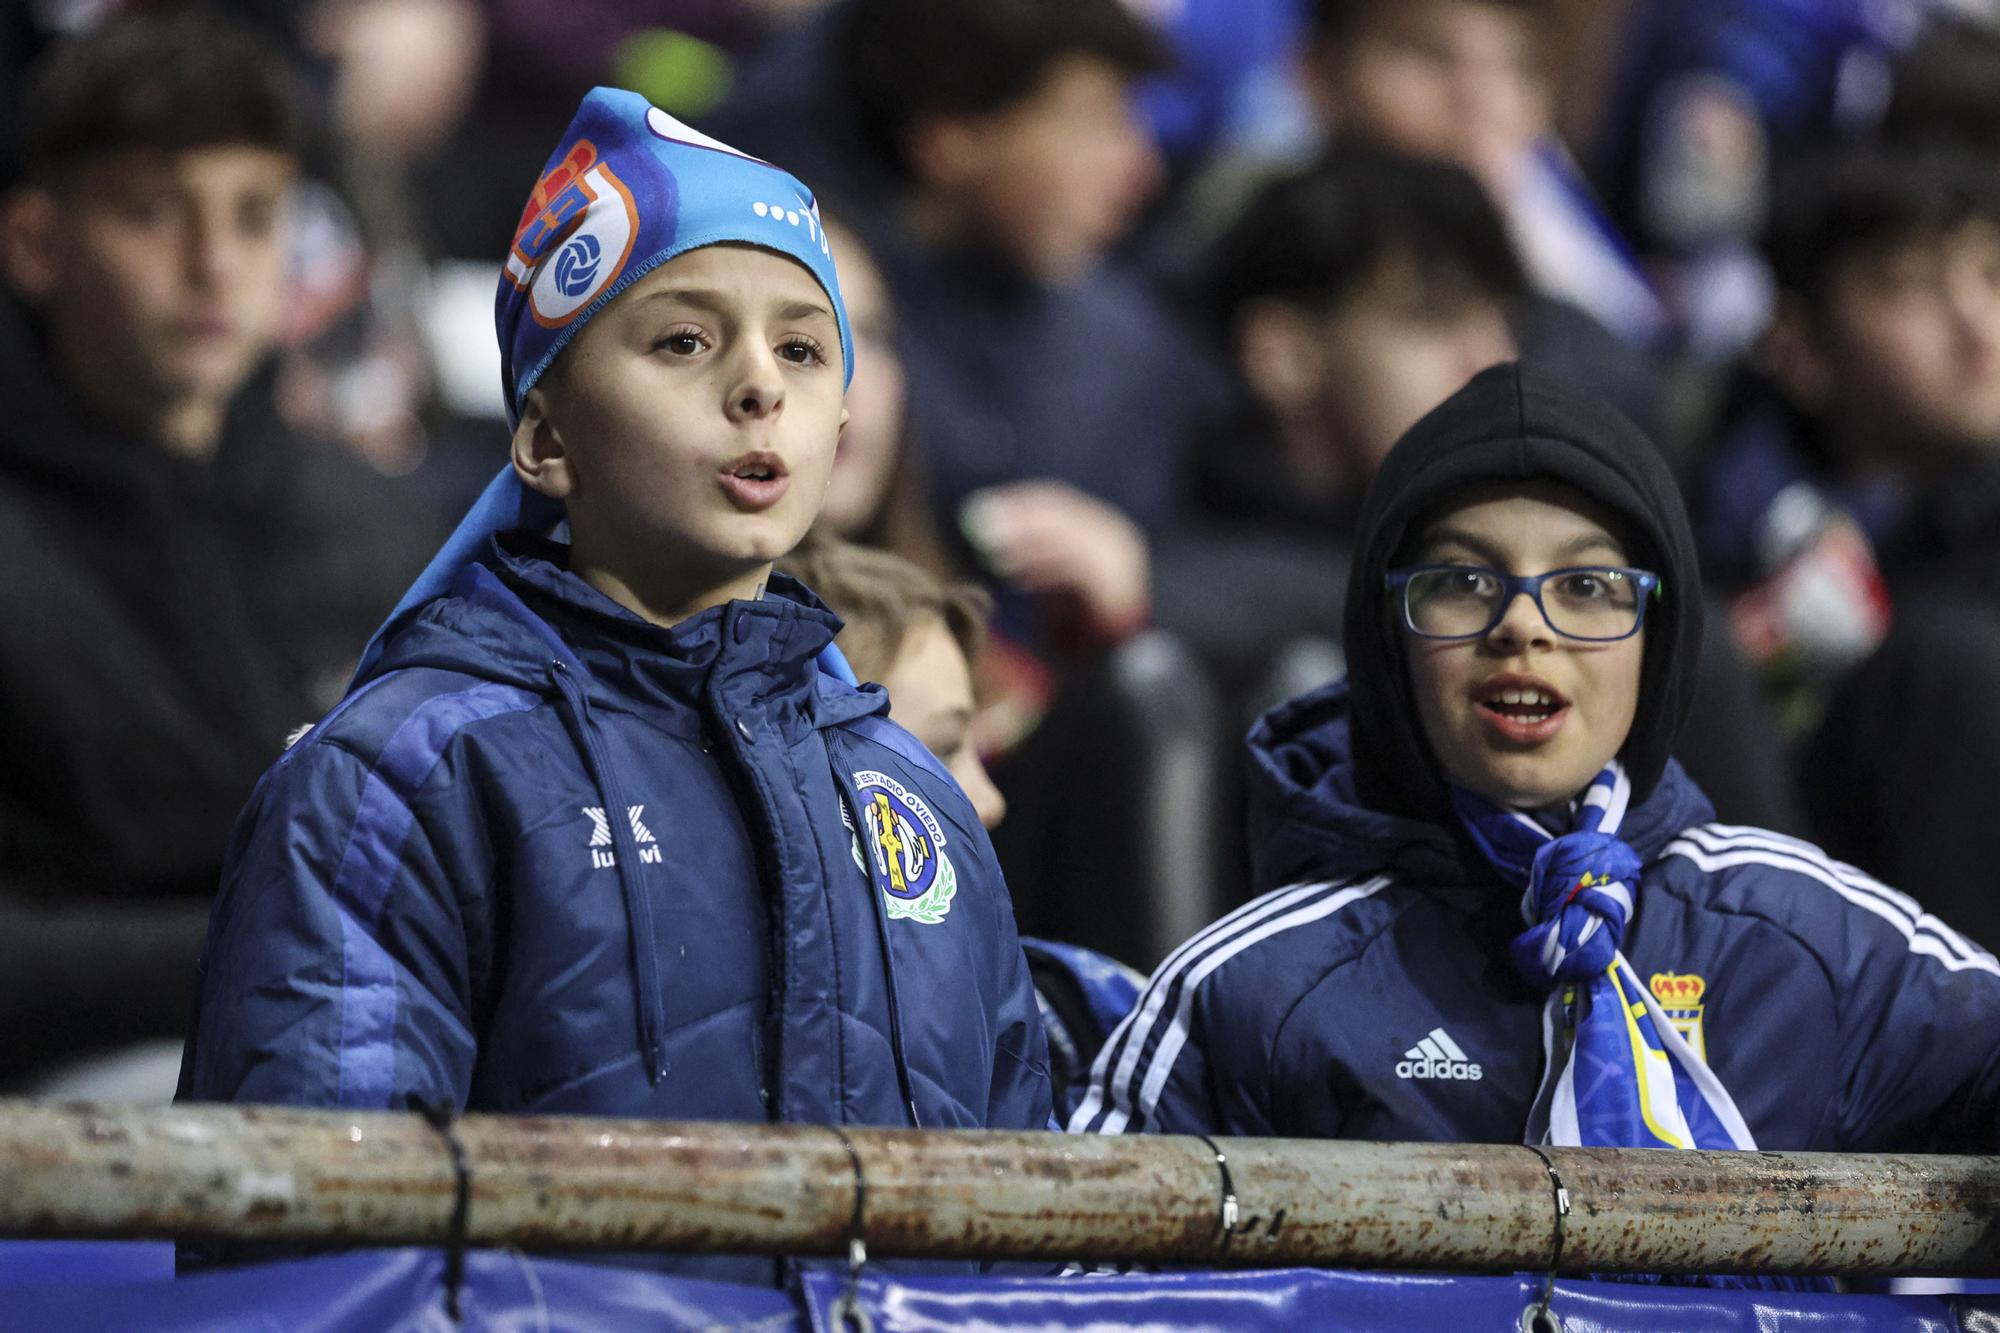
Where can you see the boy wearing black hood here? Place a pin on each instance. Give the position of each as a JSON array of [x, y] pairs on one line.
[[1521, 622]]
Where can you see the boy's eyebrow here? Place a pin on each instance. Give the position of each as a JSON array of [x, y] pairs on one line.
[[1452, 536], [694, 296], [716, 303], [1485, 550], [803, 310], [1590, 541]]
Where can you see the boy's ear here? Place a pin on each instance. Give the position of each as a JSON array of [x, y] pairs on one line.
[[1278, 355], [28, 243], [1791, 353], [541, 459]]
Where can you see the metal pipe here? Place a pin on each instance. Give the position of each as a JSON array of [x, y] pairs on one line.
[[346, 1178]]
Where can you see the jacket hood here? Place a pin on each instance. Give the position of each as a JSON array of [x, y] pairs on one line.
[[518, 608], [1513, 423], [1308, 823]]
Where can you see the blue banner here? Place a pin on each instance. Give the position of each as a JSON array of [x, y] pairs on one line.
[[108, 1287]]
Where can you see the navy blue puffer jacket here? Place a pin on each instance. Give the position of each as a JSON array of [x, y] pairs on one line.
[[1369, 994], [551, 858]]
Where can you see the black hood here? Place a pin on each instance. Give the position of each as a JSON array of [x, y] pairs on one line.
[[1514, 423]]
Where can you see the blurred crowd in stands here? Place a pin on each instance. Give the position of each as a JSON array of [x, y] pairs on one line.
[[1141, 294]]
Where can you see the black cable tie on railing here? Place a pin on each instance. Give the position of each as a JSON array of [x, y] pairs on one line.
[[847, 1310], [439, 1115], [1229, 1211], [1541, 1316]]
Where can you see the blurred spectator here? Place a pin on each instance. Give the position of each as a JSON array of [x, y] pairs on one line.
[[991, 156], [1880, 448], [1881, 396], [182, 595], [1462, 81], [878, 496], [1356, 297], [1709, 98]]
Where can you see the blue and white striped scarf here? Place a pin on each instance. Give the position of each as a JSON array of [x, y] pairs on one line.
[[1617, 1073]]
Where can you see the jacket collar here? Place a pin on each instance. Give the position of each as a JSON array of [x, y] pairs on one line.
[[746, 654]]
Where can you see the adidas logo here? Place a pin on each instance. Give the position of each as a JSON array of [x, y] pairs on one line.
[[601, 857], [1437, 1056]]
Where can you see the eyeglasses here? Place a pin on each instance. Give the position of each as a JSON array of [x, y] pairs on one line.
[[1596, 603]]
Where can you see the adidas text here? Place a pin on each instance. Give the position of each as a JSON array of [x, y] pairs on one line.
[[1437, 1056]]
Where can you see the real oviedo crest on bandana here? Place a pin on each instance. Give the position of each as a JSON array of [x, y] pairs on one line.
[[901, 844]]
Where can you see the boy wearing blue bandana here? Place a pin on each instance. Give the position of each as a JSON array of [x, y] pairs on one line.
[[603, 828], [1496, 909]]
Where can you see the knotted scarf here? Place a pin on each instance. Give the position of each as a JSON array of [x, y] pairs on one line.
[[1617, 1074]]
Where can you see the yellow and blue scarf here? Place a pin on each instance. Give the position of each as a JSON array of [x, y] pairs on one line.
[[1618, 1074]]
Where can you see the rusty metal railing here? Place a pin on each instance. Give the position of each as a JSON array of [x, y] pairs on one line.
[[326, 1177]]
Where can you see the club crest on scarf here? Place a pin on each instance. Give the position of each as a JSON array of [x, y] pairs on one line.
[[1620, 1073], [905, 850]]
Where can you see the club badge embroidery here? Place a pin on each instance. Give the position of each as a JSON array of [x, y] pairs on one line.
[[1679, 994], [905, 850]]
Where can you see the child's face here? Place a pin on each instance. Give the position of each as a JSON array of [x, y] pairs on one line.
[[1909, 343], [1391, 354], [161, 275], [930, 696], [1352, 379], [1055, 179], [693, 420], [1459, 685], [1448, 79]]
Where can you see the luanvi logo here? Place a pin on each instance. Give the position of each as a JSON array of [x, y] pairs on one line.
[[601, 855]]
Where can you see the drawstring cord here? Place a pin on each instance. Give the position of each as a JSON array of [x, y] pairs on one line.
[[625, 851], [639, 909]]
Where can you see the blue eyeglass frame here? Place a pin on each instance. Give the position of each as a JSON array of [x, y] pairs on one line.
[[1514, 585]]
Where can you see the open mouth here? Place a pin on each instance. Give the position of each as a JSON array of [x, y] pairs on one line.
[[1521, 704], [755, 481], [759, 466]]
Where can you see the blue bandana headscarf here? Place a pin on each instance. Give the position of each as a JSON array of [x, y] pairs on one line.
[[627, 189], [1629, 1079]]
